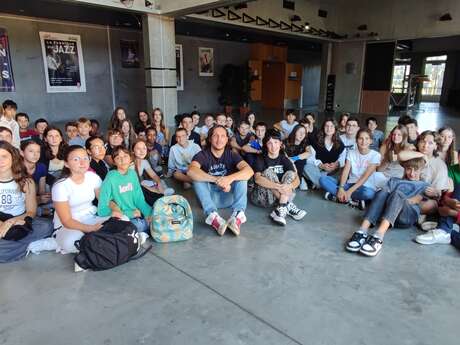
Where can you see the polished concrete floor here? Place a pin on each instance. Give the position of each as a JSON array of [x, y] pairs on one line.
[[272, 285]]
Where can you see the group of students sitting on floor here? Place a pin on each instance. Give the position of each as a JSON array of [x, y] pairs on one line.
[[83, 179]]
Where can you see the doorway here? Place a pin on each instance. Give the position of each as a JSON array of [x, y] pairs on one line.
[[273, 85], [434, 68]]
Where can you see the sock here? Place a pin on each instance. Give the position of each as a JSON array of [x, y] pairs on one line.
[[362, 231], [380, 236]]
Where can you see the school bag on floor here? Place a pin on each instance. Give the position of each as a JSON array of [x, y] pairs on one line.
[[172, 219], [116, 243]]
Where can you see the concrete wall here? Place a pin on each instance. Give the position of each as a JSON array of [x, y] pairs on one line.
[[201, 92], [97, 101], [348, 85], [395, 19]]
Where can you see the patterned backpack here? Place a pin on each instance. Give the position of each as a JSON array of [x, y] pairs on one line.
[[172, 219]]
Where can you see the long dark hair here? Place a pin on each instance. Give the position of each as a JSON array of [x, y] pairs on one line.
[[114, 121], [65, 172], [211, 132], [291, 138], [451, 151], [62, 146], [336, 142], [18, 169]]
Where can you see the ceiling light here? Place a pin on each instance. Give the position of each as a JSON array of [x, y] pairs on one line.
[[307, 26]]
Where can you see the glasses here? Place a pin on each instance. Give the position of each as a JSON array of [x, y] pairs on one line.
[[79, 159]]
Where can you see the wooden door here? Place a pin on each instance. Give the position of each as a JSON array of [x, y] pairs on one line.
[[273, 85]]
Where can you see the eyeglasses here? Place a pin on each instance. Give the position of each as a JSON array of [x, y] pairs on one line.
[[78, 159]]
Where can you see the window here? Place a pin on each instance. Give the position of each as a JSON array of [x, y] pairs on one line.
[[434, 69], [400, 78]]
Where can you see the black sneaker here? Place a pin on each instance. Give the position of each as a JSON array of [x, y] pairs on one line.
[[359, 204], [330, 197], [279, 215], [356, 241], [295, 212], [372, 246]]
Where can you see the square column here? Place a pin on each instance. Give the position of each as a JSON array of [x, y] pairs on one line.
[[160, 65]]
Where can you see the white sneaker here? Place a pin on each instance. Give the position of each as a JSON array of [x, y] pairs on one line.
[[235, 221], [77, 268], [279, 215], [436, 236], [303, 184], [143, 236], [217, 222], [40, 245]]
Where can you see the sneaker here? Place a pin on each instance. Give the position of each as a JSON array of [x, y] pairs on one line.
[[356, 241], [40, 245], [217, 222], [303, 184], [187, 185], [235, 221], [77, 268], [295, 212], [330, 197], [372, 246], [279, 215], [436, 236], [359, 204], [143, 236]]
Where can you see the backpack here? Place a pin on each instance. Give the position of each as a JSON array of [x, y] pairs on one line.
[[172, 219], [116, 243]]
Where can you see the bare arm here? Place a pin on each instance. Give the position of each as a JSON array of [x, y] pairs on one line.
[[30, 202], [369, 171], [248, 149], [63, 211], [198, 175], [406, 155]]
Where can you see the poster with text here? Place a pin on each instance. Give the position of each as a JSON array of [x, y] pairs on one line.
[[206, 62], [63, 62], [179, 68], [129, 54], [6, 69]]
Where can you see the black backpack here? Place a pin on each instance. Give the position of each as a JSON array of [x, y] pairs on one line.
[[116, 243]]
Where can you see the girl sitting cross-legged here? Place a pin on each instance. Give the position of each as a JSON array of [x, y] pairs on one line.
[[354, 185]]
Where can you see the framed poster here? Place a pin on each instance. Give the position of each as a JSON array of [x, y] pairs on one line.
[[63, 62], [6, 69], [129, 54], [179, 67], [206, 62]]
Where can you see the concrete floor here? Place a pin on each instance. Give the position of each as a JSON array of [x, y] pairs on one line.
[[295, 285]]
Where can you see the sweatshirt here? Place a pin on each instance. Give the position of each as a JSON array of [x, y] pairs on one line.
[[180, 157], [14, 127], [125, 191]]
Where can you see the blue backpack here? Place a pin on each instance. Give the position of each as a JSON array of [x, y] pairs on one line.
[[172, 219]]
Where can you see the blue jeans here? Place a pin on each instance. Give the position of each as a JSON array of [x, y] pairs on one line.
[[393, 207], [212, 197], [141, 224], [330, 184], [447, 223]]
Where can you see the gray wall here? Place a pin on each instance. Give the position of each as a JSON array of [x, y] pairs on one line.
[[97, 101], [201, 92], [348, 85]]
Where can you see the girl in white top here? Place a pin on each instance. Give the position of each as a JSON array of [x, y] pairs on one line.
[[287, 125], [17, 201], [360, 164], [73, 196], [447, 146]]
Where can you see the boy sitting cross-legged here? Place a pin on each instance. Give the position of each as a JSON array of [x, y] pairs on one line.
[[397, 204]]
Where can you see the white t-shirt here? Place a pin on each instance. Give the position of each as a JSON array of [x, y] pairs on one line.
[[287, 128], [79, 196], [12, 199], [435, 173], [359, 163]]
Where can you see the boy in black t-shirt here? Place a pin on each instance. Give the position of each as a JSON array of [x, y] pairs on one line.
[[220, 180], [276, 179], [241, 138]]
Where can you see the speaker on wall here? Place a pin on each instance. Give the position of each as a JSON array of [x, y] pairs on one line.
[[350, 68]]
